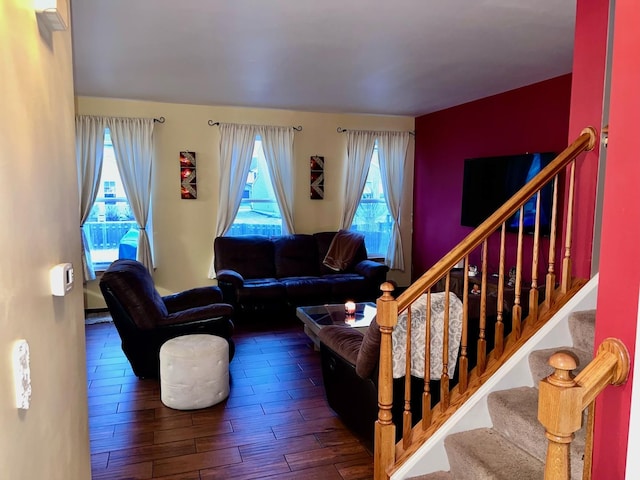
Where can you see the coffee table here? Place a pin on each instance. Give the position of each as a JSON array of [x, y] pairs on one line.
[[316, 317]]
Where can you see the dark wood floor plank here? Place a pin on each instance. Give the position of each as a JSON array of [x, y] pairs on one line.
[[151, 452], [202, 460], [134, 471], [233, 439], [326, 456], [276, 422], [248, 470]]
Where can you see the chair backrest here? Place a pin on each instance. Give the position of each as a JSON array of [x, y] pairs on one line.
[[369, 353], [129, 291]]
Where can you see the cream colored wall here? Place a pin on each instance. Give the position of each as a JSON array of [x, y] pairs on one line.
[[184, 229], [39, 218]]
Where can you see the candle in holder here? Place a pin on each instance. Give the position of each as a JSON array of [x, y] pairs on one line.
[[350, 308]]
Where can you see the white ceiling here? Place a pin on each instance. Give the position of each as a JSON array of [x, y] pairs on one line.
[[400, 57]]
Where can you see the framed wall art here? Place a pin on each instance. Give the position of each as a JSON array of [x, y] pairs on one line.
[[317, 177], [188, 187]]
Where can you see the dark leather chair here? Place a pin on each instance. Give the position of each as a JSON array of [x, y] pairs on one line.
[[349, 362], [145, 319]]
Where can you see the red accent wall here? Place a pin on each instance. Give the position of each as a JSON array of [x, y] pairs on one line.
[[587, 92], [534, 118], [617, 313]]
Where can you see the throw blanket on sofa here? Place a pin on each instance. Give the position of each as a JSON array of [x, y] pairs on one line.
[[343, 248], [418, 322]]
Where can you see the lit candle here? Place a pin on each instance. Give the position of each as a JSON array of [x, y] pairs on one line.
[[350, 308]]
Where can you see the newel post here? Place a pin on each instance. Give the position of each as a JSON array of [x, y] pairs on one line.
[[560, 412], [385, 430]]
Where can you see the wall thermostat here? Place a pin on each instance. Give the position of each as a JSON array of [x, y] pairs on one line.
[[61, 277]]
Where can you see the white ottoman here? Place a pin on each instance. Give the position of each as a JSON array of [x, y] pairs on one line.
[[194, 371]]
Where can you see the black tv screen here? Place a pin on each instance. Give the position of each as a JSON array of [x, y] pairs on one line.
[[488, 182]]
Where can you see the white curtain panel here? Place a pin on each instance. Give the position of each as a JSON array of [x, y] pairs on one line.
[[89, 151], [360, 146], [277, 143], [236, 151], [392, 155], [133, 147]]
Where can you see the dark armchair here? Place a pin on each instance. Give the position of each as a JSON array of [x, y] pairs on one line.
[[349, 363], [145, 319]]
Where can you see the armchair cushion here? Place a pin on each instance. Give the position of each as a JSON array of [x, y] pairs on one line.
[[345, 342], [195, 297], [196, 314]]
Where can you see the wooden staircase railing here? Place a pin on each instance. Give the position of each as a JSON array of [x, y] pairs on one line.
[[563, 398], [455, 389]]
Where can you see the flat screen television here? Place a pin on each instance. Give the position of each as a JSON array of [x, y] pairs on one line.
[[488, 182]]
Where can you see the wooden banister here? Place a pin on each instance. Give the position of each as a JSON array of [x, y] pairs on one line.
[[586, 141], [386, 452], [562, 399]]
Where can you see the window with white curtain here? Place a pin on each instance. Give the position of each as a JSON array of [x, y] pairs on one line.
[[259, 213], [111, 229], [372, 217]]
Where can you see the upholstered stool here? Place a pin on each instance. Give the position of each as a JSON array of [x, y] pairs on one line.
[[194, 371]]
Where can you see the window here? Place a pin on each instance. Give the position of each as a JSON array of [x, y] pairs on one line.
[[111, 229], [372, 217], [259, 213]]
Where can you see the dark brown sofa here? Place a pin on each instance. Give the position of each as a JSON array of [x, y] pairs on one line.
[[259, 273]]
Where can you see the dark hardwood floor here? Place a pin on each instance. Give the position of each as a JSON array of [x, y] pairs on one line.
[[275, 424]]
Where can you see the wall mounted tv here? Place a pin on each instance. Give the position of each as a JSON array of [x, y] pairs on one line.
[[490, 181]]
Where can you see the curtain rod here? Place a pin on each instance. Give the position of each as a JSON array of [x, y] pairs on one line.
[[159, 120], [212, 123], [344, 130]]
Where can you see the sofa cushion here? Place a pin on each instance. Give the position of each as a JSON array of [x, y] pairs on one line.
[[347, 286], [262, 290], [250, 255], [306, 290], [296, 256]]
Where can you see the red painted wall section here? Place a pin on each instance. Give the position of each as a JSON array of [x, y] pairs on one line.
[[619, 272], [534, 118], [587, 93]]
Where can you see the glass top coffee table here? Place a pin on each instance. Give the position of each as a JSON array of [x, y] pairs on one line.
[[316, 317]]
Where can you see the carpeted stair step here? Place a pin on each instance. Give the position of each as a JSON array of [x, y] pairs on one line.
[[514, 414], [539, 361], [484, 454], [434, 476], [582, 326]]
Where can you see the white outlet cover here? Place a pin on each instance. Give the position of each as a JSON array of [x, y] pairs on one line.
[[22, 374]]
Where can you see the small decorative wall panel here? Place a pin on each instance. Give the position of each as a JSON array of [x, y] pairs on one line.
[[188, 187], [317, 177]]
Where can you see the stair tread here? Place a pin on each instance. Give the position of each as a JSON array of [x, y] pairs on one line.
[[514, 413], [434, 476], [539, 361], [484, 454], [582, 325]]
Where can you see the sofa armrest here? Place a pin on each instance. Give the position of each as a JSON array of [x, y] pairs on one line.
[[230, 277], [230, 282], [195, 297], [344, 341], [371, 269], [208, 313]]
